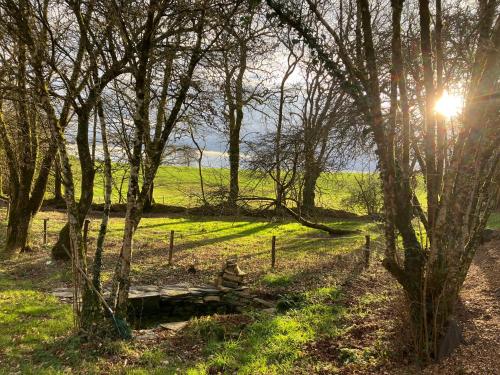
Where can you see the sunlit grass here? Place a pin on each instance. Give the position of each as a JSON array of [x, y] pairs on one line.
[[273, 343]]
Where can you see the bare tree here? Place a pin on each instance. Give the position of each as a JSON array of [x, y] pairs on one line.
[[27, 148], [190, 32], [241, 49], [431, 276]]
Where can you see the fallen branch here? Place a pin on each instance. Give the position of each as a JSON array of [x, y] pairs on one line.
[[299, 218]]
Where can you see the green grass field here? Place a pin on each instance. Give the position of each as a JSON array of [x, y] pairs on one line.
[[180, 186], [331, 296], [36, 329]]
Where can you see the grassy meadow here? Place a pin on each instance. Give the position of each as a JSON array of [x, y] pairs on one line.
[[337, 317], [36, 329], [180, 186]]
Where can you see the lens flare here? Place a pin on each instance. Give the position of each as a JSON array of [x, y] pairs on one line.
[[448, 105]]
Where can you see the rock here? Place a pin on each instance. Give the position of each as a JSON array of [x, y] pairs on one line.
[[144, 288], [270, 310], [451, 340], [196, 291], [209, 290], [264, 302], [234, 269], [230, 284], [139, 294], [173, 291], [212, 299], [232, 277], [63, 293], [143, 302], [145, 335], [174, 326]]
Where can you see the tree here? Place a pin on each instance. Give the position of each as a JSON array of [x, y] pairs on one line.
[[28, 150], [461, 172], [28, 171], [242, 46], [328, 129], [186, 34], [98, 51], [285, 97]]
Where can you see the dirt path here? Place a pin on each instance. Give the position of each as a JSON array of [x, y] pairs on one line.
[[383, 327], [479, 317]]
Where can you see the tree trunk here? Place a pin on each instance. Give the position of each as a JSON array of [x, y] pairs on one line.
[[234, 166], [309, 190], [431, 307], [148, 204], [58, 196], [87, 185], [18, 228], [93, 319]]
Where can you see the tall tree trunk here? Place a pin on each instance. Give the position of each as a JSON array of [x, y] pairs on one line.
[[309, 191], [86, 187], [234, 167], [92, 310], [58, 196], [27, 183], [235, 102], [311, 175], [148, 204], [18, 229]]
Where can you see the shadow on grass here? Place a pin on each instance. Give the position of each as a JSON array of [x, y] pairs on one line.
[[274, 343]]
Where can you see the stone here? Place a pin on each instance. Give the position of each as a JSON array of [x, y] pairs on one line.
[[209, 290], [197, 291], [144, 288], [263, 302], [230, 284], [234, 269], [63, 294], [145, 335], [212, 299], [174, 326], [174, 292], [140, 294], [232, 277], [270, 310]]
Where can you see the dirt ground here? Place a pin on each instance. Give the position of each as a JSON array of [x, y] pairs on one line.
[[384, 328], [479, 317]]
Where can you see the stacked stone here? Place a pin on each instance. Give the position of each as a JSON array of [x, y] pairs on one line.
[[231, 276]]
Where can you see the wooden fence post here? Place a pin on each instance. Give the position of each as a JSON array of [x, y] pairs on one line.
[[273, 252], [367, 251], [171, 248], [86, 224], [45, 231]]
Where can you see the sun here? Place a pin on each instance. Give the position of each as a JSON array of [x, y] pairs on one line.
[[448, 105]]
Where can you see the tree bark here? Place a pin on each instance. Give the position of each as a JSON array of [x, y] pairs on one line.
[[18, 229], [234, 167], [148, 204], [235, 103], [86, 186], [58, 196], [309, 189]]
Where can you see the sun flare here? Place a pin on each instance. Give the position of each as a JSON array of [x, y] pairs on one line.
[[448, 105]]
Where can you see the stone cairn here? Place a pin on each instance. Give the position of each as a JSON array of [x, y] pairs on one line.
[[231, 276], [182, 301]]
